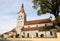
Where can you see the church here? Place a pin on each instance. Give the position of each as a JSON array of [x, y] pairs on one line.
[[34, 28]]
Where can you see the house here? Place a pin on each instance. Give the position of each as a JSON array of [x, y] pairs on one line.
[[6, 34], [10, 34]]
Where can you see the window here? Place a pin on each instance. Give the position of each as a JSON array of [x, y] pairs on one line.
[[23, 35], [19, 16], [36, 25], [51, 33], [36, 34], [28, 35], [45, 25]]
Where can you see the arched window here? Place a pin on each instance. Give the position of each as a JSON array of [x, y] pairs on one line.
[[28, 35], [51, 33], [36, 25], [23, 35], [45, 25], [19, 16], [36, 34]]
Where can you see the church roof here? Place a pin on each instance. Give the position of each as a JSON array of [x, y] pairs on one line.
[[37, 21], [13, 30], [6, 33], [22, 9]]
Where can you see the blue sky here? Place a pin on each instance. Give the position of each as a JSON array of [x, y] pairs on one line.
[[9, 10]]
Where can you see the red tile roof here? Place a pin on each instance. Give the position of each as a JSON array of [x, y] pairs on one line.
[[37, 21], [6, 33], [22, 9], [13, 30]]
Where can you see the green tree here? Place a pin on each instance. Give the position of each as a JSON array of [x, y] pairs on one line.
[[1, 36], [47, 6]]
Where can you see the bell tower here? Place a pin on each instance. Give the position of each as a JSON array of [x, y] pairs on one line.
[[21, 19]]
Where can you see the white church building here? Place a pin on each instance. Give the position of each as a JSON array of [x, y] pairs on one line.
[[35, 28]]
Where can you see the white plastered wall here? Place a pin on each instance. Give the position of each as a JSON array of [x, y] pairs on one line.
[[45, 33]]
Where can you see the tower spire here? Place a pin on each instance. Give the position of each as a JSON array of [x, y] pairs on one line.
[[22, 6], [22, 9]]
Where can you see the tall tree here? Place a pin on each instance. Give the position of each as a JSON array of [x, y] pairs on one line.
[[47, 6]]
